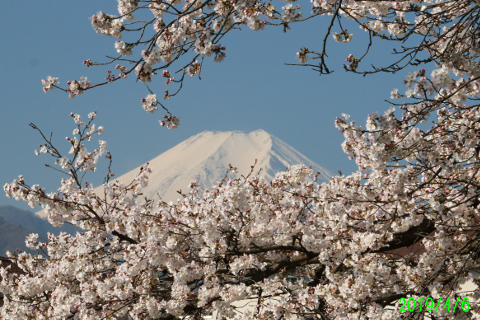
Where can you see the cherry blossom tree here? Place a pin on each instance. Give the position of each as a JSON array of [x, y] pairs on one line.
[[289, 248]]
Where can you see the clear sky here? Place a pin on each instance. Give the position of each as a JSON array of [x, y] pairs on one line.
[[252, 89]]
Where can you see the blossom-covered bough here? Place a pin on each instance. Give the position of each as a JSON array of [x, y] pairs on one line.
[[153, 36], [406, 224]]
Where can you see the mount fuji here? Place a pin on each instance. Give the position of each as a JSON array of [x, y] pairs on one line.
[[205, 157]]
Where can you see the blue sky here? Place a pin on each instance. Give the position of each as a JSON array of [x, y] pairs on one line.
[[252, 89]]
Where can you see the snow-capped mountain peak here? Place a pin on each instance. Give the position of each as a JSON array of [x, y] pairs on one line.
[[205, 157]]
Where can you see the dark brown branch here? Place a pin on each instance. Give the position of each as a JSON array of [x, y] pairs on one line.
[[124, 237], [408, 238]]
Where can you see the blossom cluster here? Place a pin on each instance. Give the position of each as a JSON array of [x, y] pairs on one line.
[[49, 83], [107, 24], [172, 122], [344, 36], [149, 103], [76, 88]]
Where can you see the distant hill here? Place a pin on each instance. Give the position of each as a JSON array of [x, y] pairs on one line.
[[16, 224], [12, 237], [33, 221]]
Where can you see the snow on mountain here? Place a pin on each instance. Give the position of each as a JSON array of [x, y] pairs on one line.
[[205, 157]]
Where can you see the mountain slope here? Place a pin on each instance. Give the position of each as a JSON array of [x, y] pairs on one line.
[[16, 224], [31, 221], [12, 237]]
